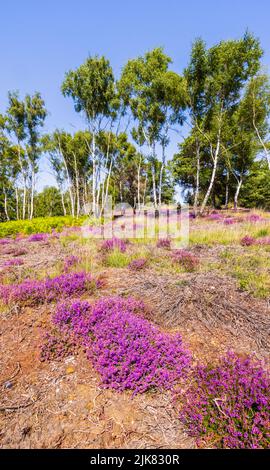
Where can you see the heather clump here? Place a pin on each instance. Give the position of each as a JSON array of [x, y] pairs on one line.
[[185, 259], [247, 241], [38, 237], [228, 405], [4, 241], [70, 262], [13, 262], [254, 218], [137, 264], [214, 216], [164, 243], [56, 347], [129, 352], [114, 244], [50, 289]]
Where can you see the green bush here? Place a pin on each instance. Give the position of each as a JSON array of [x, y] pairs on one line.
[[38, 225]]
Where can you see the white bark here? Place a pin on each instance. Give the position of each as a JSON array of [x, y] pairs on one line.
[[214, 170], [32, 194], [139, 184], [197, 187], [94, 173], [17, 203], [240, 181], [69, 182], [6, 204], [63, 203]]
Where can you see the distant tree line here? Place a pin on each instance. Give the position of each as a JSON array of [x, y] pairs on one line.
[[221, 103]]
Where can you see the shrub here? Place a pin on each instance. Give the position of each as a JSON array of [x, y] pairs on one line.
[[254, 218], [247, 241], [114, 243], [263, 241], [230, 221], [19, 252], [13, 262], [164, 243], [214, 216], [4, 241], [56, 347], [128, 351], [38, 237], [38, 225], [229, 405], [117, 259], [50, 289], [137, 264], [70, 261], [186, 259]]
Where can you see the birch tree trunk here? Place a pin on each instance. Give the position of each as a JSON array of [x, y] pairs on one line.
[[214, 170], [154, 185], [153, 171], [161, 176], [240, 181], [227, 190], [6, 204], [63, 203], [32, 194], [72, 204], [107, 186], [145, 187], [17, 203], [139, 184], [259, 135], [197, 187], [94, 173]]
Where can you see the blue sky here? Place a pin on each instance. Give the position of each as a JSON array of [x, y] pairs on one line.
[[41, 40]]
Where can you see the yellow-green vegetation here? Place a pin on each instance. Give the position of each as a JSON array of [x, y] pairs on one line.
[[38, 225], [250, 267], [227, 235], [117, 259]]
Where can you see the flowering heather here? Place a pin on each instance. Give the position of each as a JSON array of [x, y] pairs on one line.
[[230, 221], [128, 351], [74, 317], [137, 264], [56, 347], [186, 259], [13, 262], [229, 405], [4, 241], [19, 252], [214, 216], [14, 251], [263, 241], [247, 241], [164, 243], [50, 289], [38, 237], [254, 218], [114, 243], [70, 261]]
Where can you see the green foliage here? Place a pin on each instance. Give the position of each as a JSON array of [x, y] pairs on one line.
[[48, 203], [92, 88], [38, 225], [256, 189]]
